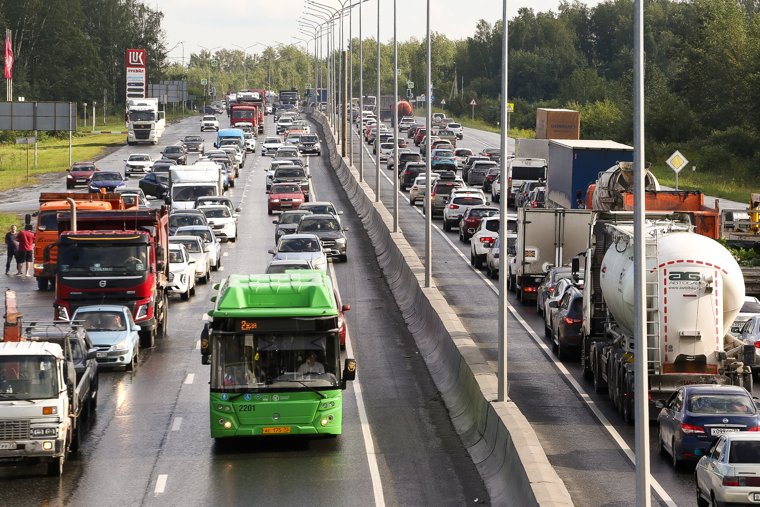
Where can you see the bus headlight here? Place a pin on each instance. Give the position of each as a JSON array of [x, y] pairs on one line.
[[324, 422]]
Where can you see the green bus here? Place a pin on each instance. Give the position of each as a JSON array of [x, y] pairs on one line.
[[273, 346]]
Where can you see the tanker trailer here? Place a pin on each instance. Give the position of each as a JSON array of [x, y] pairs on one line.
[[694, 291], [404, 109]]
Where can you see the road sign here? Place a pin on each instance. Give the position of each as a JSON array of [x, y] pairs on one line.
[[443, 102], [510, 107], [26, 140], [410, 84], [473, 103], [204, 82], [677, 161]]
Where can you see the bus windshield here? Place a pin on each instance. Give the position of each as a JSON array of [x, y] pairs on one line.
[[242, 361]]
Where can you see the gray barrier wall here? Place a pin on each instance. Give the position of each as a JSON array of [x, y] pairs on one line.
[[500, 440]]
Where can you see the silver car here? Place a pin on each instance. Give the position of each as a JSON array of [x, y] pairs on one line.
[[302, 247], [730, 471], [113, 333]]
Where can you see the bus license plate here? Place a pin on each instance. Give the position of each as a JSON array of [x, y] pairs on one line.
[[276, 430], [7, 446]]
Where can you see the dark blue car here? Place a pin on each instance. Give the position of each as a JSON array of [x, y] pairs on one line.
[[695, 416], [108, 180]]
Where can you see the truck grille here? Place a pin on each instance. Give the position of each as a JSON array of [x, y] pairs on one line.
[[142, 134], [14, 430]]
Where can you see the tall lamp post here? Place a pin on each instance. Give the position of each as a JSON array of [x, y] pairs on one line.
[[207, 87], [377, 102], [245, 57]]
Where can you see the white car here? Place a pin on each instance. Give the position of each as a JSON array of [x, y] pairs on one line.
[[456, 128], [196, 251], [496, 189], [138, 163], [729, 471], [181, 272], [301, 247], [460, 156], [283, 124], [418, 187], [250, 141], [271, 145], [113, 332], [404, 123], [211, 243], [386, 151], [209, 122], [750, 307], [459, 202], [237, 154], [222, 221], [483, 239]]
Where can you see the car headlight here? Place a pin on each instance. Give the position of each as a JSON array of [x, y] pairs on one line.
[[121, 345], [69, 177], [340, 241], [275, 200]]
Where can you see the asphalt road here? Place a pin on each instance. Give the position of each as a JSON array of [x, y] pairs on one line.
[[584, 437], [149, 443]]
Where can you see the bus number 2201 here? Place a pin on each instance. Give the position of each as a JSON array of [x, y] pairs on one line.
[[247, 408]]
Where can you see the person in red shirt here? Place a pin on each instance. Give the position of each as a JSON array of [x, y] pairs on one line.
[[24, 256]]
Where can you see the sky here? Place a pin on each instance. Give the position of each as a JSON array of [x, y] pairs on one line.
[[254, 24]]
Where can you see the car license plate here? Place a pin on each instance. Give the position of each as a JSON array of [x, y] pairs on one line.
[[7, 446], [100, 355], [275, 430], [722, 431]]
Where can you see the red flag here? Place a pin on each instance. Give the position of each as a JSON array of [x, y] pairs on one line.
[[8, 59]]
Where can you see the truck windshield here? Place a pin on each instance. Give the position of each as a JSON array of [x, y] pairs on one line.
[[47, 221], [142, 116], [28, 378], [96, 257], [192, 193], [245, 114], [273, 360]]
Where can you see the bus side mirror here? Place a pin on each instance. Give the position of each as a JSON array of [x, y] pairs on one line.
[[205, 352], [349, 372]]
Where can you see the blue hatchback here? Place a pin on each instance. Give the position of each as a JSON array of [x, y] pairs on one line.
[[695, 416]]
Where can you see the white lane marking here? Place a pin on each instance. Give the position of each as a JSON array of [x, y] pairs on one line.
[[161, 484], [176, 424], [225, 254], [190, 378], [605, 423], [369, 446], [198, 344]]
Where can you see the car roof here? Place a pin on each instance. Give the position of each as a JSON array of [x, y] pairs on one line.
[[322, 216], [715, 389], [183, 237], [302, 235]]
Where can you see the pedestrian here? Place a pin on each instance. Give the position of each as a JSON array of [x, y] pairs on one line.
[[24, 256], [12, 244]]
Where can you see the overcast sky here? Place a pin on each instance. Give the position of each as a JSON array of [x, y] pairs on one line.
[[226, 23]]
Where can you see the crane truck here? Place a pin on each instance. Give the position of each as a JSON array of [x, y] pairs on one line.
[[694, 290]]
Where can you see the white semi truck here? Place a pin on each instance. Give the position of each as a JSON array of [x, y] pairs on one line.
[[694, 290], [145, 122]]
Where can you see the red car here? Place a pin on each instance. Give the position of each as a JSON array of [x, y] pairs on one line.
[[342, 324], [419, 135], [80, 173], [284, 196], [470, 221]]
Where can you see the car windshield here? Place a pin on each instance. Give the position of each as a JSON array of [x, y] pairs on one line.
[[107, 258], [294, 172], [182, 220], [190, 246], [750, 307], [709, 403], [272, 140], [83, 167], [217, 213], [102, 320], [745, 452], [106, 176], [193, 139], [175, 257], [28, 377], [172, 149], [290, 218], [454, 126], [209, 118], [309, 139], [318, 224], [299, 245], [282, 268], [286, 189]]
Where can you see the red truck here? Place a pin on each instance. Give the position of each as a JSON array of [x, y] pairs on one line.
[[244, 113], [116, 257], [255, 98]]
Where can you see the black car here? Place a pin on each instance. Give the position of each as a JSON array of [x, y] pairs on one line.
[[329, 231], [164, 165], [194, 144], [566, 323], [409, 174], [176, 152], [287, 223], [155, 184], [182, 218], [547, 287], [403, 158]]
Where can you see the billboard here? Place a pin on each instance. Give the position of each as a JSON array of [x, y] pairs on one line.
[[38, 116], [135, 72]]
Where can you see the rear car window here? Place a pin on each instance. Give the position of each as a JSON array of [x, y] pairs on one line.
[[744, 452], [445, 188], [492, 225], [468, 201], [750, 307]]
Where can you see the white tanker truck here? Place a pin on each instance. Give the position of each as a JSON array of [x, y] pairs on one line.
[[694, 288]]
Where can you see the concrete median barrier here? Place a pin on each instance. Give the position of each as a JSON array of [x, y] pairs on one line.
[[501, 442]]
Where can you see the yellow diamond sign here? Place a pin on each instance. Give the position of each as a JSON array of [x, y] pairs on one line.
[[677, 161]]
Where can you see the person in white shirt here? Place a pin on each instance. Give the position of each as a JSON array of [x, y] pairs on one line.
[[311, 365]]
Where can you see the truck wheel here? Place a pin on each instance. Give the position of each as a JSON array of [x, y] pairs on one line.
[[147, 339], [185, 296], [627, 402], [163, 328], [599, 385], [55, 467], [76, 436], [42, 283]]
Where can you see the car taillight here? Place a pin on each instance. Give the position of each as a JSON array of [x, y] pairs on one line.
[[432, 195], [690, 428], [486, 239], [757, 344], [743, 482], [570, 321], [530, 289], [453, 206], [471, 220], [551, 290], [754, 428], [534, 204]]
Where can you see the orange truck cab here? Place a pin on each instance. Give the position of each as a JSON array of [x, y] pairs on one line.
[[46, 230]]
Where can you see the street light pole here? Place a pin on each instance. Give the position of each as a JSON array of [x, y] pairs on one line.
[[428, 179], [377, 101], [361, 95], [395, 121], [504, 153]]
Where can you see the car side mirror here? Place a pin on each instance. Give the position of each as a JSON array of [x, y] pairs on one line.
[[237, 210], [345, 229], [271, 251], [340, 213], [275, 222], [191, 261], [92, 353], [136, 327], [167, 199], [349, 372], [659, 404]]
